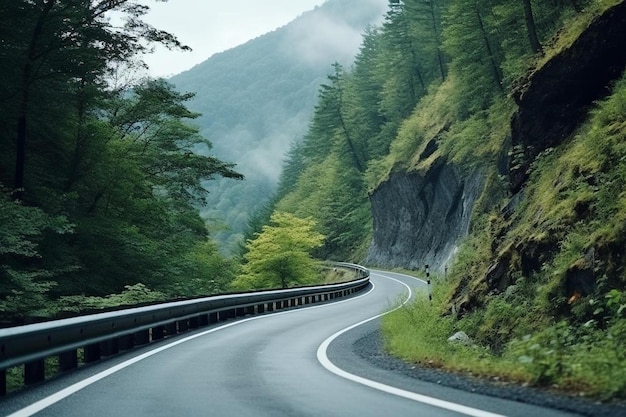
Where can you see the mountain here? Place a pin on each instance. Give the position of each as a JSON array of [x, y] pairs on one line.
[[256, 99]]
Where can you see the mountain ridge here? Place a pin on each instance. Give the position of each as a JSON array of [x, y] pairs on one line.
[[256, 99]]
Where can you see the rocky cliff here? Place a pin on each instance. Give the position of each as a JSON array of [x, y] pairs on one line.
[[555, 98], [419, 218]]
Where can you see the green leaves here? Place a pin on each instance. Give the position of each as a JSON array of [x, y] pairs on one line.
[[107, 180], [24, 279], [279, 257]]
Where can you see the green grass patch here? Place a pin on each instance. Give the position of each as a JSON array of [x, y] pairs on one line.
[[585, 360], [419, 333]]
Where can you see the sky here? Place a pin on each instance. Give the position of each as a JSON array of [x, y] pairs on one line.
[[212, 26]]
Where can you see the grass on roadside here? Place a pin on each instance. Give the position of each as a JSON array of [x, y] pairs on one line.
[[418, 333], [578, 360]]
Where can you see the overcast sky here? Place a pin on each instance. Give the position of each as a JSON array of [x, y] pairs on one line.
[[211, 26]]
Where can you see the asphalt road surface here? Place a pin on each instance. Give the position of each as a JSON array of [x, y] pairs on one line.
[[292, 363]]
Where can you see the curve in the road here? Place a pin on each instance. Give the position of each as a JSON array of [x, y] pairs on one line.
[[66, 392], [266, 365], [322, 356]]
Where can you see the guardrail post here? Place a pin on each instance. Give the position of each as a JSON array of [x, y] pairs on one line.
[[158, 332], [110, 347], [68, 360], [3, 382], [183, 325], [126, 342], [142, 337], [34, 372], [171, 328], [92, 353], [213, 317]]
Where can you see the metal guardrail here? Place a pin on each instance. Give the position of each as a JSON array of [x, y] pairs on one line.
[[105, 334]]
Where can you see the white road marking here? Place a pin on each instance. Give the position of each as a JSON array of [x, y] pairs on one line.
[[72, 389], [322, 357]]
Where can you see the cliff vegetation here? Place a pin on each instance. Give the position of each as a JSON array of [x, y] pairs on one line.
[[486, 140]]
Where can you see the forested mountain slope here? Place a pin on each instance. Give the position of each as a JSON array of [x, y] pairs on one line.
[[486, 140], [256, 99], [99, 185]]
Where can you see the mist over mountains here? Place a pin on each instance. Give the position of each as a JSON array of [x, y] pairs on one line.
[[256, 99]]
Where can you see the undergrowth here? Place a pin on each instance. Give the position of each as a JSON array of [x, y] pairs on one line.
[[582, 360], [555, 316]]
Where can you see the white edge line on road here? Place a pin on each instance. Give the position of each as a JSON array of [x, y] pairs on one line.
[[66, 392], [322, 357]]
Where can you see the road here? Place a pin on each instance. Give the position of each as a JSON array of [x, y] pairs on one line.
[[281, 364]]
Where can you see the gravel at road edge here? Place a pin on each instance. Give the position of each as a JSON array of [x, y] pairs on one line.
[[370, 348]]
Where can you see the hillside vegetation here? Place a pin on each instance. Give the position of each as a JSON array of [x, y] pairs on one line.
[[257, 98], [525, 99], [99, 187]]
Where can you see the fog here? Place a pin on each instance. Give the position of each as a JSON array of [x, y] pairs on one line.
[[258, 99], [320, 36]]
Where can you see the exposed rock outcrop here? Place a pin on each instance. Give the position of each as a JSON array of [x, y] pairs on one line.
[[420, 218], [556, 97]]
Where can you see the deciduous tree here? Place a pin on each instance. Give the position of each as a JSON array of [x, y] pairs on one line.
[[280, 256]]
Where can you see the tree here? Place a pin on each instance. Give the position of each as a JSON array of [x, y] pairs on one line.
[[476, 56], [426, 26], [531, 28], [364, 94], [22, 230], [329, 127], [333, 193], [279, 257], [136, 193], [106, 180], [62, 46]]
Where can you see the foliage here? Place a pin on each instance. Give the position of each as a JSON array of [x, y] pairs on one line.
[[258, 98], [279, 257], [334, 197], [23, 231], [104, 180], [132, 295], [582, 357], [436, 84], [418, 333]]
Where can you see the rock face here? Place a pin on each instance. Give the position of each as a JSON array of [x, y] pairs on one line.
[[420, 218], [557, 96]]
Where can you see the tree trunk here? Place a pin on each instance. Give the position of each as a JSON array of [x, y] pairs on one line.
[[442, 70], [494, 65], [531, 28], [79, 138], [27, 72]]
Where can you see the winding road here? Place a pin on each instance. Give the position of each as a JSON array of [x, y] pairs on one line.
[[292, 363]]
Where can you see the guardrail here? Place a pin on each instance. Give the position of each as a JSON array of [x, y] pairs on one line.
[[105, 334]]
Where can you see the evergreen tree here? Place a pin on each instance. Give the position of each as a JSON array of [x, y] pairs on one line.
[[105, 182]]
